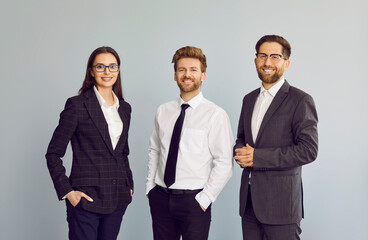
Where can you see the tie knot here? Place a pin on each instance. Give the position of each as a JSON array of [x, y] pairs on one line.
[[184, 106]]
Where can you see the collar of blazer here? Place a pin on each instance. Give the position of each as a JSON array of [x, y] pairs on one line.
[[94, 109], [276, 102]]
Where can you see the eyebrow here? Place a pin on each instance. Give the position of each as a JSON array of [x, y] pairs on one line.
[[271, 53], [106, 65], [188, 67]]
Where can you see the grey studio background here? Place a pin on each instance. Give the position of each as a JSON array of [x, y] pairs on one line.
[[44, 50]]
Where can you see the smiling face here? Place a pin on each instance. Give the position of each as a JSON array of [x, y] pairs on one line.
[[105, 79], [270, 72], [189, 76]]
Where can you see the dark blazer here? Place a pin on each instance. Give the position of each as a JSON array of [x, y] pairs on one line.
[[97, 170], [287, 139]]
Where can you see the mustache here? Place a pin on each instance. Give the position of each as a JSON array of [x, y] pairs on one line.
[[268, 66], [187, 78]]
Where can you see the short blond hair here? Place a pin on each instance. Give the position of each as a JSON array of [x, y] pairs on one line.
[[190, 52]]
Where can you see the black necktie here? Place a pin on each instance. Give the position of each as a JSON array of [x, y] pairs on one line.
[[170, 170]]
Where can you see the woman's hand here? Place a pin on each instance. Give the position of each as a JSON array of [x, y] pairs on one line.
[[74, 197]]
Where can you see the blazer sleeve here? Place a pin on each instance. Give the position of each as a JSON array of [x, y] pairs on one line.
[[305, 139], [128, 170], [57, 147], [126, 151], [240, 138]]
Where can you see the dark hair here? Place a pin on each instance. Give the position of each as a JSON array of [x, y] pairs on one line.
[[89, 80], [286, 48], [190, 52]]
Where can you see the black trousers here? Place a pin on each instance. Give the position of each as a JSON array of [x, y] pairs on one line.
[[178, 214], [85, 225], [255, 230]]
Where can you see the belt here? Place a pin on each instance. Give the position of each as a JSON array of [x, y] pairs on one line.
[[178, 191]]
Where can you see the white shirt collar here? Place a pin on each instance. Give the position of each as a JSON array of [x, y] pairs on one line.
[[103, 102], [275, 88], [194, 102]]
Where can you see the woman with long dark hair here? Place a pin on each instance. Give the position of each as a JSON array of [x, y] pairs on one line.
[[100, 185]]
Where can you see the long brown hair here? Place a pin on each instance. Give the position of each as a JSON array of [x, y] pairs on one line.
[[89, 80]]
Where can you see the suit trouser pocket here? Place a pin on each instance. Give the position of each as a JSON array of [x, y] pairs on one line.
[[174, 215]]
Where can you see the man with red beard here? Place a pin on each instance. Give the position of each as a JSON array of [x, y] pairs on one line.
[[277, 134], [190, 155]]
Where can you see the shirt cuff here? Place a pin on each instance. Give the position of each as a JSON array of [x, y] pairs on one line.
[[66, 195], [149, 187], [203, 199]]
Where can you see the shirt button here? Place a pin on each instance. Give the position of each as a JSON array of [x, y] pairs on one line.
[[114, 182]]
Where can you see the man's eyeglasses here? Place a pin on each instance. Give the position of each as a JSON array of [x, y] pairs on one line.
[[101, 67], [262, 57]]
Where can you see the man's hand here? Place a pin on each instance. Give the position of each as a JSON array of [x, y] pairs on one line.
[[131, 192], [244, 156], [74, 197], [204, 210]]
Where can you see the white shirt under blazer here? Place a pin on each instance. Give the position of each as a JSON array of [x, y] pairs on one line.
[[111, 114]]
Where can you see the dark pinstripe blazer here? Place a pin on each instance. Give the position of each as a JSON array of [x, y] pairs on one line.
[[97, 170], [287, 139]]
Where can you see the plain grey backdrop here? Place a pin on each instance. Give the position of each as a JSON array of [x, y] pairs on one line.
[[44, 50]]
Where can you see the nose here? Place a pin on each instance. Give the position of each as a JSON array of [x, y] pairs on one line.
[[268, 61], [186, 74], [106, 69]]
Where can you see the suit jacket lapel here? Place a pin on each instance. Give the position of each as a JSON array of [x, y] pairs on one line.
[[279, 98], [248, 117], [97, 116]]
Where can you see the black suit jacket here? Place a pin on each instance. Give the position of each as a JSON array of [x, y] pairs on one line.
[[287, 139], [97, 170]]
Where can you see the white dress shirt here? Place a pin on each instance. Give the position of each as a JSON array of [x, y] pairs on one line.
[[205, 150], [112, 117], [263, 102]]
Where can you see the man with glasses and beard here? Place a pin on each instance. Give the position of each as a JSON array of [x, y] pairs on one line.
[[277, 134], [190, 155]]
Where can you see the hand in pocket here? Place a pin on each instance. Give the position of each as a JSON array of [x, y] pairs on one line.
[[74, 197]]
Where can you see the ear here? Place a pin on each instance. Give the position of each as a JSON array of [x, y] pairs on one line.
[[92, 73], [175, 77], [286, 64], [203, 77]]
